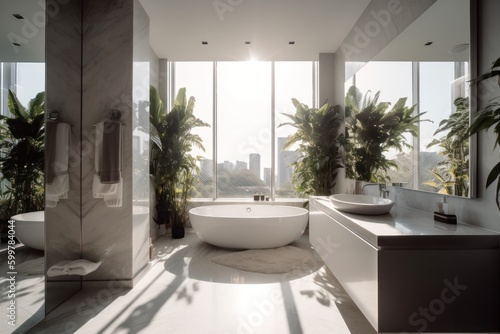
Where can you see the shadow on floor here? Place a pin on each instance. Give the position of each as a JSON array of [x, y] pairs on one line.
[[194, 261], [332, 295]]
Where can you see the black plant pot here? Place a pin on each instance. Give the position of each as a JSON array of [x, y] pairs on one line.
[[177, 232]]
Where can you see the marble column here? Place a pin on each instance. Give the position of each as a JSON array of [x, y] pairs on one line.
[[63, 94], [98, 61], [115, 40]]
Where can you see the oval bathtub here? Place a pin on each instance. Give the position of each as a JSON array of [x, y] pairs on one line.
[[248, 226], [30, 230]]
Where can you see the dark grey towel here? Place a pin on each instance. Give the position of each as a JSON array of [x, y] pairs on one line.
[[50, 148], [111, 158]]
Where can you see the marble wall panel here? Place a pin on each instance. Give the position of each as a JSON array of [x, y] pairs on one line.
[[107, 84], [63, 93]]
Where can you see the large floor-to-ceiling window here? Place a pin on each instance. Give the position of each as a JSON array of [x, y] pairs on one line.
[[433, 87], [25, 80], [245, 103]]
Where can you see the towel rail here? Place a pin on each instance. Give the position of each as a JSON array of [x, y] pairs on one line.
[[115, 115], [53, 115]]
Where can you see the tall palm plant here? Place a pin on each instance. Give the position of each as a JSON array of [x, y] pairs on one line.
[[372, 129], [171, 164], [22, 156], [452, 175], [489, 117], [319, 140]]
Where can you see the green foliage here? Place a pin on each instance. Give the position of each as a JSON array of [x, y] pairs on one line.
[[488, 117], [452, 175], [22, 156], [373, 129], [319, 140], [171, 164]]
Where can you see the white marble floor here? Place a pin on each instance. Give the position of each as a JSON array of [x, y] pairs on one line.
[[29, 292], [185, 292]]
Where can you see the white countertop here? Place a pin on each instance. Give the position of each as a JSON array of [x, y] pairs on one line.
[[409, 228]]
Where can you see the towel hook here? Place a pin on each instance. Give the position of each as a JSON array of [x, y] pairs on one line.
[[53, 115], [115, 115]]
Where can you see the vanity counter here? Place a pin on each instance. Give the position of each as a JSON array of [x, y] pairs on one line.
[[409, 273], [409, 228]]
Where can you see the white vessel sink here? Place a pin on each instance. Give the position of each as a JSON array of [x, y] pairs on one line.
[[361, 204]]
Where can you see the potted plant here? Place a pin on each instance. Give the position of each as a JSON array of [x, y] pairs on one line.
[[320, 140], [22, 157], [487, 117], [171, 164], [22, 154], [373, 129]]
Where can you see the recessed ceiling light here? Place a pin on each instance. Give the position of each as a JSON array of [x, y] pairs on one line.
[[459, 48], [248, 42], [291, 42], [18, 16], [428, 43], [204, 42], [16, 44]]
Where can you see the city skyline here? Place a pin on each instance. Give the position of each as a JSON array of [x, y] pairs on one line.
[[283, 172]]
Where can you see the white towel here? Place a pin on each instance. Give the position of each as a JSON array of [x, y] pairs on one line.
[[59, 187], [115, 200], [77, 267], [57, 190]]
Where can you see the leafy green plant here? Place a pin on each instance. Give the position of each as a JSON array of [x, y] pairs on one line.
[[486, 118], [171, 164], [22, 156], [319, 138], [373, 129], [452, 174]]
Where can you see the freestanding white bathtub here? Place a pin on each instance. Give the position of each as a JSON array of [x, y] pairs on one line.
[[30, 229], [250, 226]]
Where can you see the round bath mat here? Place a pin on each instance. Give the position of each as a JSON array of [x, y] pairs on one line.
[[270, 261]]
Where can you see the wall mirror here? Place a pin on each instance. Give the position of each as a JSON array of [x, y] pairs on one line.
[[22, 71], [429, 63]]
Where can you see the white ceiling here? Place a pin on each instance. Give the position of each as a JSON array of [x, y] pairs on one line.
[[445, 24], [29, 32], [177, 28]]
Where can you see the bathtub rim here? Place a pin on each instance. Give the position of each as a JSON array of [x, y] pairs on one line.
[[21, 217], [302, 211]]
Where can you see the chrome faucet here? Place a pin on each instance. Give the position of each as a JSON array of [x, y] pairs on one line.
[[383, 191]]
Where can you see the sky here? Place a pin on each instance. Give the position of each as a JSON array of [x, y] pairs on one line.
[[30, 81]]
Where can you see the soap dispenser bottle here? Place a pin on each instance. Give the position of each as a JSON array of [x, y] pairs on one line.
[[445, 206]]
